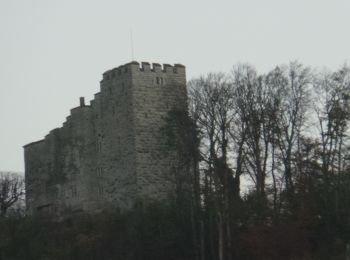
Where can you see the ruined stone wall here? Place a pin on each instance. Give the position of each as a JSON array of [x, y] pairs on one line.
[[58, 168], [113, 152]]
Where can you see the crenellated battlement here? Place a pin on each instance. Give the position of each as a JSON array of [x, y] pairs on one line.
[[146, 67]]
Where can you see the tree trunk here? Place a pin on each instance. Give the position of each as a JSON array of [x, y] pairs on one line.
[[202, 238], [221, 237]]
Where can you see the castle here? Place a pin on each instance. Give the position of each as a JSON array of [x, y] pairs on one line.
[[111, 153]]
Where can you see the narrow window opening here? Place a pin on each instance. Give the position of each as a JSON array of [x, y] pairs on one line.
[[74, 191], [100, 189]]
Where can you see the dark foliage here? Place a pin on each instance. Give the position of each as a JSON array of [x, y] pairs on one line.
[[158, 232]]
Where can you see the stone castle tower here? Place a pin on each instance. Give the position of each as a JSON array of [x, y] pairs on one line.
[[111, 153]]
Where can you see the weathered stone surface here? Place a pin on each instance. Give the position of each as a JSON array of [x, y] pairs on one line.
[[111, 153]]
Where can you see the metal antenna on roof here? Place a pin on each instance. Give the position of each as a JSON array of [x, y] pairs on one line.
[[132, 45]]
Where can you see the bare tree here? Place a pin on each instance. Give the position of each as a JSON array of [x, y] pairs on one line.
[[252, 133], [333, 114], [289, 93], [332, 108], [212, 97], [11, 191]]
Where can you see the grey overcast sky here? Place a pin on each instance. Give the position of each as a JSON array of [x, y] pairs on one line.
[[53, 52]]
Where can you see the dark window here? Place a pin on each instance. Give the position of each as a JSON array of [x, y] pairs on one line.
[[99, 171], [159, 81], [100, 189], [74, 191]]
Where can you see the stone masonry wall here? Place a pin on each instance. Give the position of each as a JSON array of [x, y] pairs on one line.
[[112, 152], [155, 93]]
